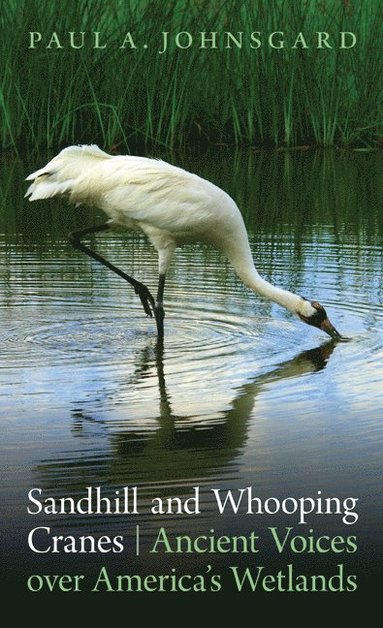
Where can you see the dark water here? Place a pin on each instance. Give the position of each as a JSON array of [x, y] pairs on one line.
[[242, 394]]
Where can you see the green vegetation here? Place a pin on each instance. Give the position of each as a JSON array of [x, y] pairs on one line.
[[126, 99]]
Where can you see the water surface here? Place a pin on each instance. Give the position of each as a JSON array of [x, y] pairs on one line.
[[242, 393]]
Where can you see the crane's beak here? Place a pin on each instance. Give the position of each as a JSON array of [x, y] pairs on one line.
[[330, 329]]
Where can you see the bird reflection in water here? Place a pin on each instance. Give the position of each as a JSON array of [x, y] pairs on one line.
[[173, 449]]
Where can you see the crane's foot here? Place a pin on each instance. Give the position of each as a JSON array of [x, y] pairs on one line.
[[159, 314], [146, 298]]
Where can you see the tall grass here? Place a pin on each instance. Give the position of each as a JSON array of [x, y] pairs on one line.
[[124, 99]]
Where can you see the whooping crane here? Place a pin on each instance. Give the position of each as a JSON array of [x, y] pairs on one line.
[[171, 206]]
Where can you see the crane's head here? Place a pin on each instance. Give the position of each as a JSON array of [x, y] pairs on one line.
[[313, 313]]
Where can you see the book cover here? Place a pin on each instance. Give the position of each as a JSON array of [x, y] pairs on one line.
[[238, 458]]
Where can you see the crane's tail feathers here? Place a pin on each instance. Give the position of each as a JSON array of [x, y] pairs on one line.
[[38, 173], [58, 176], [43, 188]]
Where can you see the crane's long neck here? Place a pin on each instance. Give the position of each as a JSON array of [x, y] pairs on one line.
[[243, 263], [286, 299]]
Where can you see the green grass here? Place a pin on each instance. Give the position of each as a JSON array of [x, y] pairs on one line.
[[129, 99]]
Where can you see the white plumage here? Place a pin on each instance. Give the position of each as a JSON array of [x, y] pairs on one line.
[[171, 206]]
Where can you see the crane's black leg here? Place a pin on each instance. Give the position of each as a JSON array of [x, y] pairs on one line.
[[143, 292], [159, 312]]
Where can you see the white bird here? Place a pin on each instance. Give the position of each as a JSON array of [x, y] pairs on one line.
[[171, 206]]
